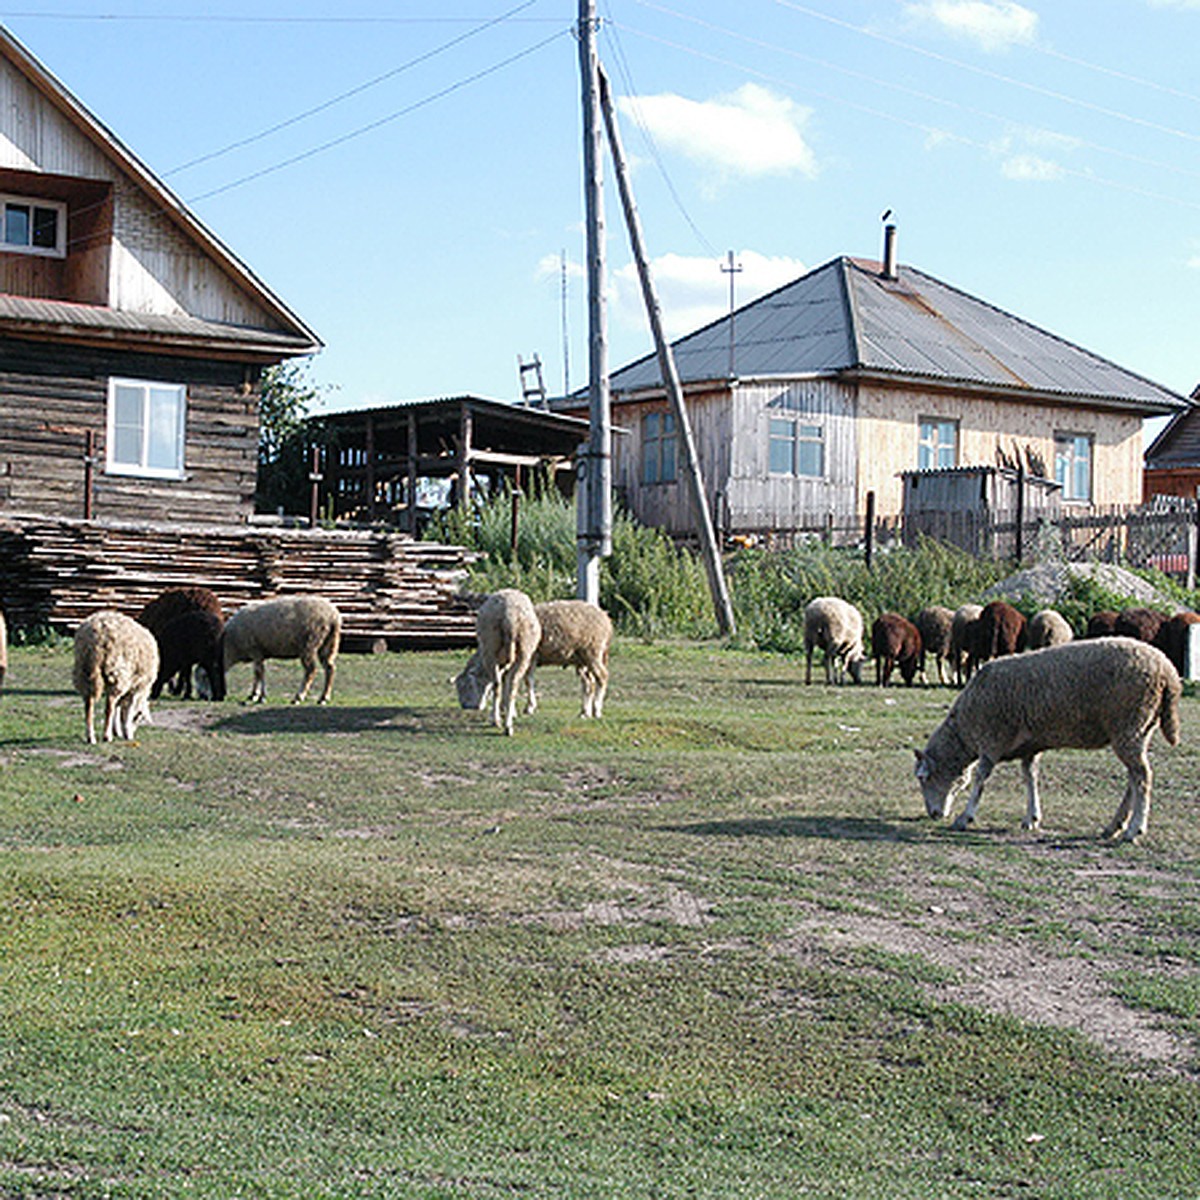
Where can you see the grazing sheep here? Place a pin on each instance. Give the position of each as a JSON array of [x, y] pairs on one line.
[[191, 640], [1048, 628], [172, 603], [117, 658], [305, 627], [575, 634], [508, 631], [934, 624], [835, 627], [895, 642], [1140, 623], [1086, 694], [1102, 624], [1173, 636], [3, 649], [1000, 630], [962, 632]]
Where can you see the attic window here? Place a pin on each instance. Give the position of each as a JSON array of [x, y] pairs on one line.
[[33, 226]]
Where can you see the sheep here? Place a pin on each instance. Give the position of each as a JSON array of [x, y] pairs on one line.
[[1102, 624], [835, 627], [1048, 628], [172, 603], [895, 641], [192, 639], [1140, 623], [115, 657], [1000, 630], [305, 627], [1173, 636], [574, 633], [3, 650], [962, 631], [507, 631], [1085, 694], [934, 624]]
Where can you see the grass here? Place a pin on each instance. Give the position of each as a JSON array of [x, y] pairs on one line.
[[705, 947]]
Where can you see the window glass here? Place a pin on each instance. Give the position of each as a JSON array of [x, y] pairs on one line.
[[659, 448], [145, 428], [783, 437], [1073, 465], [810, 452], [32, 227], [937, 445], [45, 229], [16, 224]]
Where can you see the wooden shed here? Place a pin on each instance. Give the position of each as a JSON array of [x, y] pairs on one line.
[[1172, 466]]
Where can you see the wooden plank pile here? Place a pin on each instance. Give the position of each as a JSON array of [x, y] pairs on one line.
[[393, 591]]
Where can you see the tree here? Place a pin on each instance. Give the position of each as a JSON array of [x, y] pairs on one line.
[[286, 435]]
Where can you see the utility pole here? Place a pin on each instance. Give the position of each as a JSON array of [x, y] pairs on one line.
[[594, 501], [566, 340], [731, 269], [666, 360]]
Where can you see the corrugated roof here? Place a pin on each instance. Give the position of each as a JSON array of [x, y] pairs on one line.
[[847, 317]]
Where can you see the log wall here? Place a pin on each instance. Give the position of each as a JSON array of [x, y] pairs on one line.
[[392, 591]]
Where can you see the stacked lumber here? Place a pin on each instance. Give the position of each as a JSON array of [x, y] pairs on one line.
[[392, 590]]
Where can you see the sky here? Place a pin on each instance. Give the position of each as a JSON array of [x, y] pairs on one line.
[[407, 177]]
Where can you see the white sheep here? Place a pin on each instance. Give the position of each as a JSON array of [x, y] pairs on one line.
[[836, 627], [507, 631], [1085, 694], [575, 634], [116, 658], [305, 627], [1048, 628]]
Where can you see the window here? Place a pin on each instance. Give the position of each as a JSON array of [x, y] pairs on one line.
[[1073, 465], [33, 226], [145, 428], [938, 445], [796, 448], [659, 448]]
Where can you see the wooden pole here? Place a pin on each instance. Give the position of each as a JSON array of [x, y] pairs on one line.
[[1019, 532], [412, 473], [594, 462], [709, 549], [89, 473], [314, 498], [465, 435], [869, 531]]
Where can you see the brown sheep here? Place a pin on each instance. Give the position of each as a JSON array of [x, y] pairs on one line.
[[895, 642], [1102, 624], [962, 633], [934, 624], [165, 608], [1173, 637], [1140, 623], [999, 631]]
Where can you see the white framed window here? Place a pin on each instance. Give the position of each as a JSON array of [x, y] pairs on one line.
[[30, 226], [937, 447], [659, 448], [145, 428], [796, 448], [1073, 465]]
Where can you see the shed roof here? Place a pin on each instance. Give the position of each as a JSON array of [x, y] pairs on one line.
[[847, 317], [1178, 445]]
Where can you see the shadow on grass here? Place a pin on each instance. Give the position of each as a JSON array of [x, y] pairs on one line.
[[841, 829], [301, 718]]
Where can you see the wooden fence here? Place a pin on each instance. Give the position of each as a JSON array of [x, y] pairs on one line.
[[392, 591]]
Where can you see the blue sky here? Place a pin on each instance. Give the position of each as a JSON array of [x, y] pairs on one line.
[[407, 176]]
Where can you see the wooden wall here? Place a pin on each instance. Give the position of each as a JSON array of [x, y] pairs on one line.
[[51, 396]]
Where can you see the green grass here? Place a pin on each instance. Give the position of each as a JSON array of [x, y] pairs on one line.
[[708, 946]]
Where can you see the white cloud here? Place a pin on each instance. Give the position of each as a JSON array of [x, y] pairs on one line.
[[1031, 168], [694, 291], [990, 24], [749, 132], [550, 266]]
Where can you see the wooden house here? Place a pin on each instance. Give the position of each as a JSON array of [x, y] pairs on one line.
[[811, 399], [131, 339], [1173, 459]]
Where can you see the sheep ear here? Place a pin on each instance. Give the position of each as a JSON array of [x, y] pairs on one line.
[[924, 768]]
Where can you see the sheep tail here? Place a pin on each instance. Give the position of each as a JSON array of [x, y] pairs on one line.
[[1168, 715]]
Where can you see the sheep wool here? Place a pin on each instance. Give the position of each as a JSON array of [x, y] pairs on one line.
[[574, 633], [116, 658], [305, 627], [835, 627], [1084, 695], [507, 631]]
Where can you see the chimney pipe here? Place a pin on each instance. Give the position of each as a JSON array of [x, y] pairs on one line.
[[890, 268]]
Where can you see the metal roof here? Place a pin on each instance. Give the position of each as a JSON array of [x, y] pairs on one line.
[[846, 317]]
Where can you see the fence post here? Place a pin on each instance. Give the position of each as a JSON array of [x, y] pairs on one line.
[[314, 478], [869, 532], [1019, 532]]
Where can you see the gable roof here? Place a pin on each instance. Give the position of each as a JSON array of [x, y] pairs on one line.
[[289, 335], [847, 318], [1178, 444]]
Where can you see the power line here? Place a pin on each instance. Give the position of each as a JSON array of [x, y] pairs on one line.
[[241, 19], [355, 91]]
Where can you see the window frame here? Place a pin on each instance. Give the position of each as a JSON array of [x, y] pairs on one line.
[[1071, 439], [795, 433], [142, 468], [58, 250], [655, 459], [931, 447]]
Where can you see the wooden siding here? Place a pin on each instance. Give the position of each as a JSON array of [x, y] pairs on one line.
[[51, 397], [390, 589], [889, 432], [759, 500]]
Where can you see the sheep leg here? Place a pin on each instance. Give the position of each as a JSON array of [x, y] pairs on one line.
[[89, 718], [531, 702], [808, 652], [508, 699], [1133, 814], [601, 676], [1033, 803], [327, 690], [497, 690], [309, 662], [110, 716], [983, 768], [258, 692]]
